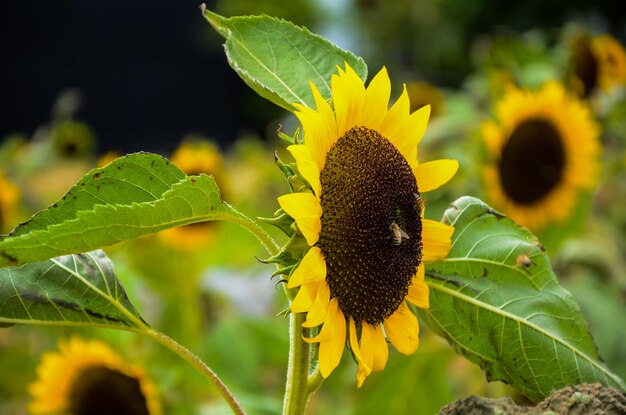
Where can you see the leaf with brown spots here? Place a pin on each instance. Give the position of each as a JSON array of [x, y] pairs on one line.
[[133, 196]]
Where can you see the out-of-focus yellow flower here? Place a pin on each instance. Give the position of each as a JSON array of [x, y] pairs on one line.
[[543, 151], [424, 93], [72, 139], [108, 157], [612, 61], [194, 156], [87, 377], [597, 63], [9, 198]]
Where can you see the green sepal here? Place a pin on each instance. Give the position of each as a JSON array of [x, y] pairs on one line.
[[286, 138], [284, 271], [280, 220], [284, 313], [286, 169], [282, 258]]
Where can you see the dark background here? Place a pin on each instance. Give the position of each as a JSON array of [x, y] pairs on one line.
[[149, 72], [153, 71]]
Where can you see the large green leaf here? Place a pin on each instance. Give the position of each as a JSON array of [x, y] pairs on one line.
[[496, 299], [134, 196], [278, 59], [69, 290]]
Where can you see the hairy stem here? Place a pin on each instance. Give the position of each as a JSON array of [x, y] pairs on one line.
[[196, 362], [296, 390], [253, 227]]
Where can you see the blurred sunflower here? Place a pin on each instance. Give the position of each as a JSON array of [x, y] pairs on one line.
[[107, 157], [9, 198], [597, 63], [424, 93], [364, 221], [612, 59], [194, 156], [542, 153], [72, 139], [87, 377]]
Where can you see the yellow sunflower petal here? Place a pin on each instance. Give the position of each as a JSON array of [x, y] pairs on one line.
[[418, 290], [408, 136], [363, 369], [397, 115], [319, 309], [307, 167], [316, 128], [402, 330], [305, 209], [377, 99], [367, 354], [348, 97], [354, 341], [327, 113], [326, 133], [433, 174], [331, 348], [492, 137], [381, 349], [436, 239], [305, 297], [312, 268]]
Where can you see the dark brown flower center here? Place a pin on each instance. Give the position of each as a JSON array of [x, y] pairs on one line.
[[584, 66], [532, 161], [371, 235], [98, 390]]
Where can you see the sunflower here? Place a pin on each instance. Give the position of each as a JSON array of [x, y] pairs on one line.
[[9, 199], [87, 377], [611, 56], [108, 157], [597, 63], [363, 221], [542, 153], [424, 93], [193, 156], [72, 139]]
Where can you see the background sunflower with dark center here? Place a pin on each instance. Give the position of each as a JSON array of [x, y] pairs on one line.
[[543, 153], [86, 377]]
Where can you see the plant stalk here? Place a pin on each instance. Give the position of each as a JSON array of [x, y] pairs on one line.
[[196, 362], [296, 389]]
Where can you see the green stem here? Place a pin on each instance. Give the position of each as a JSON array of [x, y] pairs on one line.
[[296, 390], [195, 361], [253, 227], [266, 240]]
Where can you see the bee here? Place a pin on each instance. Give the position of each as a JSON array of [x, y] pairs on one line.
[[524, 261], [397, 234], [418, 202]]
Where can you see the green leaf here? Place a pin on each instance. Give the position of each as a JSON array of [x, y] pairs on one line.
[[69, 290], [133, 196], [496, 299], [278, 59]]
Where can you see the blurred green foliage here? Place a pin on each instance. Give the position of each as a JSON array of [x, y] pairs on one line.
[[471, 50]]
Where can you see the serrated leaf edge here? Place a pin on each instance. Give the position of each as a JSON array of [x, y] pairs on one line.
[[519, 321]]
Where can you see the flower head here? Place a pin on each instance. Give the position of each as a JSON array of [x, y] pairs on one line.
[[364, 221], [194, 156], [597, 63], [542, 152], [87, 377], [9, 199]]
